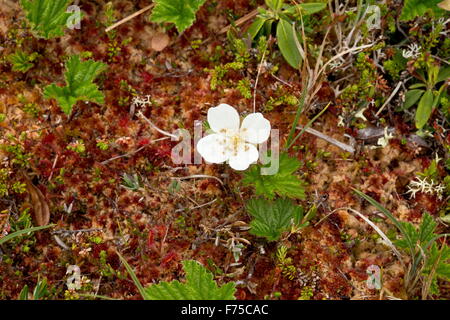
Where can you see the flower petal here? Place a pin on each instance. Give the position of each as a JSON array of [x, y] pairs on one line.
[[255, 128], [223, 117], [246, 155], [213, 148]]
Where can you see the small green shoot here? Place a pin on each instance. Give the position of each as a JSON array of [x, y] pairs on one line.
[[421, 246], [180, 12], [21, 61], [79, 77]]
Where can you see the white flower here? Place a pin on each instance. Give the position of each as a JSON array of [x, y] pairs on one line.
[[230, 141]]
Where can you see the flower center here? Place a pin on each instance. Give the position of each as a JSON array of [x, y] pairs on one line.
[[232, 141]]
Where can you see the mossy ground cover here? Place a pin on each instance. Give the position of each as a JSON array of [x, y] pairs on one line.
[[108, 182]]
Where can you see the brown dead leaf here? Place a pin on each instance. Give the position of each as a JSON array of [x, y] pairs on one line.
[[39, 203], [160, 41], [444, 5]]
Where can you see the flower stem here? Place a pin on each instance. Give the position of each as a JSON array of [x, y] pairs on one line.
[[297, 115], [307, 126]]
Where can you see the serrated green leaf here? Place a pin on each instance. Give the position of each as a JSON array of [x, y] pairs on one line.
[[284, 182], [180, 12], [271, 219], [424, 109], [79, 78], [199, 285], [410, 236], [422, 237], [287, 43], [415, 8], [48, 18], [411, 97], [426, 229], [440, 259]]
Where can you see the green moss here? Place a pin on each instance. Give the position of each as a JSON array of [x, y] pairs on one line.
[[219, 72], [396, 65], [96, 239], [102, 145], [282, 99], [285, 264], [18, 155], [307, 293], [244, 88], [77, 146]]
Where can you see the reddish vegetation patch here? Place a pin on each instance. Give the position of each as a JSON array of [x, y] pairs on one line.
[[158, 225]]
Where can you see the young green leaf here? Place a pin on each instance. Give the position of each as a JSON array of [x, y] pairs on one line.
[[411, 97], [23, 295], [256, 26], [199, 285], [416, 8], [180, 12], [48, 18], [444, 74], [410, 242], [21, 61], [133, 276], [446, 218], [421, 245], [268, 26], [306, 8], [22, 232], [283, 183], [439, 259], [271, 219], [287, 43], [275, 5], [79, 78], [424, 109], [418, 85], [40, 291]]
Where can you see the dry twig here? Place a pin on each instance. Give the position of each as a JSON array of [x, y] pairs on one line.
[[129, 17]]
